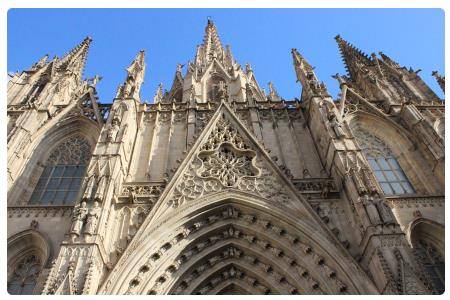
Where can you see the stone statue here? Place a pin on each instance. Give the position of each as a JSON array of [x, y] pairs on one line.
[[93, 81], [121, 133], [335, 125], [112, 130], [222, 92], [191, 67], [384, 211], [371, 209], [101, 188], [89, 188], [92, 219], [326, 190], [78, 220]]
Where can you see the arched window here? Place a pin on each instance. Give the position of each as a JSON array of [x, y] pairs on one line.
[[23, 278], [432, 262], [62, 176], [385, 166]]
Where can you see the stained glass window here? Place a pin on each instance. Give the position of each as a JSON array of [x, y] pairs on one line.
[[25, 274], [433, 264], [63, 174], [385, 166]]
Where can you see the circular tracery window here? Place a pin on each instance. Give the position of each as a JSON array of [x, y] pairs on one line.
[[24, 277]]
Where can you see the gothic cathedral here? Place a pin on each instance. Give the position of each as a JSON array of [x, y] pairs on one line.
[[217, 187]]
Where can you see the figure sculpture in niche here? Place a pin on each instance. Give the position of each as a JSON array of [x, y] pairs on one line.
[[113, 130], [335, 125], [78, 220], [92, 219]]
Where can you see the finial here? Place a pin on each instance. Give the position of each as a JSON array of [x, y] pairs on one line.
[[179, 67], [248, 67], [339, 78], [440, 79]]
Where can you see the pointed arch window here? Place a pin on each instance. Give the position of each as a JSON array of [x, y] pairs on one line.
[[385, 166], [24, 276], [432, 262], [63, 173]]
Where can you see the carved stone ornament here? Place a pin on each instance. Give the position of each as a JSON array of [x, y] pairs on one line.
[[226, 160], [74, 151], [371, 144]]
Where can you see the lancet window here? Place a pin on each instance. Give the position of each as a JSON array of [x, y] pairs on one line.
[[63, 173], [385, 166]]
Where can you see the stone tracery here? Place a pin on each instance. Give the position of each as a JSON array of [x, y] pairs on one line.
[[76, 150], [228, 165], [253, 250], [25, 273], [226, 160]]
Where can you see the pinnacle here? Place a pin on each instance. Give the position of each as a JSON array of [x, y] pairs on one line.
[[140, 58], [440, 79], [345, 46], [83, 45], [300, 60], [75, 59], [388, 59], [350, 55]]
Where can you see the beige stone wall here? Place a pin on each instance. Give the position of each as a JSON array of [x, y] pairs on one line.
[[294, 206]]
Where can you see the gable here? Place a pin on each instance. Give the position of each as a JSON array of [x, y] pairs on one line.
[[226, 157]]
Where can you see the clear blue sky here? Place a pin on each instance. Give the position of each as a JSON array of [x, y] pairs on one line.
[[263, 37]]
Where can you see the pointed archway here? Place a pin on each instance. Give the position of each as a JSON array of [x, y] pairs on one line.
[[236, 239], [228, 196]]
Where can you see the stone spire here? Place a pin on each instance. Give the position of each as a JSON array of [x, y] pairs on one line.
[[229, 56], [212, 49], [439, 79], [159, 94], [273, 94], [306, 76], [389, 60], [353, 58], [74, 61], [178, 78], [135, 78], [176, 91], [40, 63]]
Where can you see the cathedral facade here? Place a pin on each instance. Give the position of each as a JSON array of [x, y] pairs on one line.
[[218, 187]]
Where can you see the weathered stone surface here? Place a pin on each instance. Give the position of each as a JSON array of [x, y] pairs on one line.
[[219, 188]]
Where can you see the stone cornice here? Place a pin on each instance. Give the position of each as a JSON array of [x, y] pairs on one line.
[[39, 210], [415, 201]]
